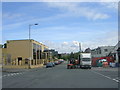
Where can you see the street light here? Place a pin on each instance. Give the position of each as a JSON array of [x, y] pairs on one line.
[[80, 47], [29, 41], [79, 52], [30, 28]]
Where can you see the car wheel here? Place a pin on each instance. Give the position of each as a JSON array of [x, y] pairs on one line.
[[89, 67]]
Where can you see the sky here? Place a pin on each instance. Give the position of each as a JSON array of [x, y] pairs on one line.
[[62, 25]]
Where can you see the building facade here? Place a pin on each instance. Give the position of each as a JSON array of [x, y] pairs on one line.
[[102, 51], [24, 52], [115, 53]]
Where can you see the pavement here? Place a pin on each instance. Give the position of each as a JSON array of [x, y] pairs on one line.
[[9, 70], [61, 77], [16, 70]]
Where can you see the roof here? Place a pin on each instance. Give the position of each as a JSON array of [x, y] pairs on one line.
[[27, 40]]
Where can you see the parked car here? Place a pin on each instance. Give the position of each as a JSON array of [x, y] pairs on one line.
[[59, 62], [53, 64], [112, 64], [49, 64], [56, 62]]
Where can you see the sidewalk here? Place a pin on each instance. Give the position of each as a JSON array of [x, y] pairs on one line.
[[105, 69], [14, 70]]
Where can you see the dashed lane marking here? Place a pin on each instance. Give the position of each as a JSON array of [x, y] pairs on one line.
[[116, 80]]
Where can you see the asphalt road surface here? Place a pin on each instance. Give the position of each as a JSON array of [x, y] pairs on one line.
[[60, 77]]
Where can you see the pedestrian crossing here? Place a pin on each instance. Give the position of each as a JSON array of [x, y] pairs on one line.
[[12, 74], [117, 79]]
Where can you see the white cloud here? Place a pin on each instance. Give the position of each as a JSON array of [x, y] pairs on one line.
[[68, 9], [111, 5], [76, 43], [29, 20], [107, 39], [11, 16], [76, 10], [65, 43], [61, 46]]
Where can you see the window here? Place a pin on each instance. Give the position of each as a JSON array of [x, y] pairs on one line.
[[105, 50], [99, 51], [26, 61], [34, 51], [38, 51], [85, 59]]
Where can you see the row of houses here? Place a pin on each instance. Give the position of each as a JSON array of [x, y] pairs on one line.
[[25, 54]]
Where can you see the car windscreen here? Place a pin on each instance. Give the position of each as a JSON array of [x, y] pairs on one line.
[[85, 59], [49, 63]]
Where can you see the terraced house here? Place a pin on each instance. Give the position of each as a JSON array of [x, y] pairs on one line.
[[24, 54]]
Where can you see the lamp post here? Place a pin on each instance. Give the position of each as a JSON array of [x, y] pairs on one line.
[[29, 42], [79, 52], [30, 28], [80, 47]]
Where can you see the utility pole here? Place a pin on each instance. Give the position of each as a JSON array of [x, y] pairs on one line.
[[79, 47], [79, 52]]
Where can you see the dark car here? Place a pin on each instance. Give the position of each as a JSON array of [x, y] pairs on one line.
[[50, 64], [53, 64], [56, 62]]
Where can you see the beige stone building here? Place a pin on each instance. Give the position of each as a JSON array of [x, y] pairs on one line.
[[24, 53]]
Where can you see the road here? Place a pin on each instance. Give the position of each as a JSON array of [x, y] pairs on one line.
[[60, 77]]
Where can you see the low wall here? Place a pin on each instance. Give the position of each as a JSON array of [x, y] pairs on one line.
[[36, 66], [15, 66], [22, 66]]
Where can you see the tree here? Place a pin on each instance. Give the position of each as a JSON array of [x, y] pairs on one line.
[[5, 45], [76, 55], [72, 55]]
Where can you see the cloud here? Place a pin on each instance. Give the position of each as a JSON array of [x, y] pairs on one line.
[[27, 20], [62, 47], [11, 16], [111, 5], [67, 10], [89, 39], [76, 10], [76, 43], [106, 39], [65, 43]]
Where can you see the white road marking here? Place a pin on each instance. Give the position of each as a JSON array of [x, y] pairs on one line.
[[106, 76], [17, 73], [13, 74], [4, 75], [49, 68], [8, 75], [116, 80]]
